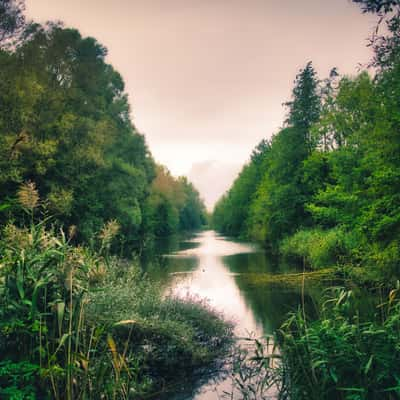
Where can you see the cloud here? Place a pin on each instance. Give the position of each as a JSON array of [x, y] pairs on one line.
[[213, 178]]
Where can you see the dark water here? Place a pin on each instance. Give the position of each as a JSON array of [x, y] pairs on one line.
[[211, 267]]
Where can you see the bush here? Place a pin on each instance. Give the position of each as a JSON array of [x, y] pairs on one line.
[[17, 380], [316, 248]]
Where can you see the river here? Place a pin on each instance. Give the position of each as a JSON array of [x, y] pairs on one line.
[[209, 266]]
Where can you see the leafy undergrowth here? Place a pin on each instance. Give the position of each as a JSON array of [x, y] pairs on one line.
[[77, 324]]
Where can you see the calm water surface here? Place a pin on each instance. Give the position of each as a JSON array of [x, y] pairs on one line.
[[210, 266]]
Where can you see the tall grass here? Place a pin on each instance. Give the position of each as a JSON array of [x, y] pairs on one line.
[[341, 356], [79, 324]]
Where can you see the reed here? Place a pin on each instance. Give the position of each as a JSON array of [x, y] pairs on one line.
[[342, 355], [76, 324]]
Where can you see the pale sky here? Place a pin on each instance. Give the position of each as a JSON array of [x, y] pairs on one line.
[[207, 78]]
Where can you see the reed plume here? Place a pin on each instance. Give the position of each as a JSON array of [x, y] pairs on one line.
[[107, 234], [28, 196]]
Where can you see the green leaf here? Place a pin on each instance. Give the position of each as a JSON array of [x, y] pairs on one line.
[[35, 294], [60, 315], [368, 366], [20, 281], [333, 375], [62, 341], [4, 207]]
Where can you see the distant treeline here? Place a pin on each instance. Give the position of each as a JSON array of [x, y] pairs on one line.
[[326, 187], [65, 126]]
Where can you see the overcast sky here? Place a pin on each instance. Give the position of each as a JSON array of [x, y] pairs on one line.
[[207, 78]]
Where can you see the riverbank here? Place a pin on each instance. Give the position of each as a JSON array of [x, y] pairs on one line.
[[78, 324], [74, 322], [343, 354]]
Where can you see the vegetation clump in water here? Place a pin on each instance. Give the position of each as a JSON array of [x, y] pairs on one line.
[[297, 280]]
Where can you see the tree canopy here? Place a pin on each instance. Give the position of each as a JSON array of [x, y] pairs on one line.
[[65, 125], [328, 188]]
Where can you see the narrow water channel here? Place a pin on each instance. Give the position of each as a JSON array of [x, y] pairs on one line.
[[210, 266]]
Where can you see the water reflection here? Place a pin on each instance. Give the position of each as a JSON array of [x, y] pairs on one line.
[[210, 266]]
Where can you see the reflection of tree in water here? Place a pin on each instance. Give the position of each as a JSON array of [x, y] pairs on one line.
[[158, 247], [257, 262], [199, 266], [168, 270], [270, 305]]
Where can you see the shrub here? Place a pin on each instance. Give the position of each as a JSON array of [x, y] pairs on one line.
[[17, 380], [316, 248]]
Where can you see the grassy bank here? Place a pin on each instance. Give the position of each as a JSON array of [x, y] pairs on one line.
[[365, 264], [78, 324]]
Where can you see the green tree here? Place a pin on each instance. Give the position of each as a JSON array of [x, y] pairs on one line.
[[231, 214], [174, 205], [12, 20], [386, 45], [279, 208], [65, 126], [305, 106]]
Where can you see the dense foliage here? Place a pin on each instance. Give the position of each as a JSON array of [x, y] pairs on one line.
[[77, 185], [327, 194], [328, 188], [173, 205], [275, 197], [341, 355], [65, 125], [76, 323]]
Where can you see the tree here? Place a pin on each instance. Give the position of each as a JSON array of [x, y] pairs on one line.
[[305, 106], [283, 192], [386, 45], [267, 200], [174, 205], [12, 21], [231, 214], [278, 205], [65, 125]]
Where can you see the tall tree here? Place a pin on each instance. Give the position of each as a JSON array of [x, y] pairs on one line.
[[12, 20], [305, 106], [65, 125], [386, 45], [267, 200]]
